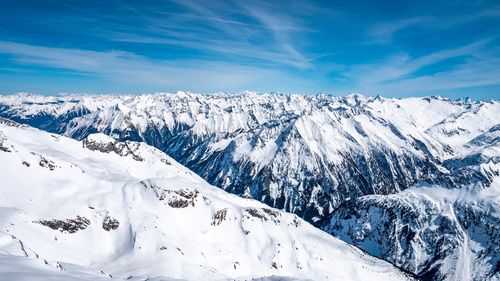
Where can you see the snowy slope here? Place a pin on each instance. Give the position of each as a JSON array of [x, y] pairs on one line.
[[437, 233], [98, 208]]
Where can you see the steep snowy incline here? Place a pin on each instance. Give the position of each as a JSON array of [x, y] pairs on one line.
[[439, 234], [304, 154], [434, 232], [99, 208]]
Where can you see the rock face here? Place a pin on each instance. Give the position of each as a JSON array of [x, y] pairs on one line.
[[110, 223], [437, 233], [440, 239], [68, 225]]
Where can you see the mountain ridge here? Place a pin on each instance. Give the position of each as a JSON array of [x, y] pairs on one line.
[[103, 208]]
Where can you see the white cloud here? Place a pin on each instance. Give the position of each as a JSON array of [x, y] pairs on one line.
[[479, 67], [251, 30], [130, 69], [383, 33]]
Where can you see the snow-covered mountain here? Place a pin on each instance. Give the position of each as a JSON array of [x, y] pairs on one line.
[[305, 154], [321, 157], [435, 232], [99, 208]]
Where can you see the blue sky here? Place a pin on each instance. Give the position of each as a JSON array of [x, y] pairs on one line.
[[392, 48]]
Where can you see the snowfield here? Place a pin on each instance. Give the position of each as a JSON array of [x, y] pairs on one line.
[[99, 209]]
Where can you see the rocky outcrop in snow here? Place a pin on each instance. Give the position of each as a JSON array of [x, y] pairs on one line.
[[103, 143], [68, 225]]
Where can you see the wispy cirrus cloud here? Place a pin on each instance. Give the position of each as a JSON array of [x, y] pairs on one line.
[[471, 74], [383, 33], [402, 65], [281, 27], [129, 68], [265, 34], [240, 49], [477, 66]]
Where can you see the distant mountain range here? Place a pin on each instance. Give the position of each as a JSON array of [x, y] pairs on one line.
[[413, 181]]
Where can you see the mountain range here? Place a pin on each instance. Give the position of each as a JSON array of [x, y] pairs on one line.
[[99, 209], [413, 181]]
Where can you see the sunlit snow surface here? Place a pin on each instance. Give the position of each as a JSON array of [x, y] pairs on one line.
[[97, 208]]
